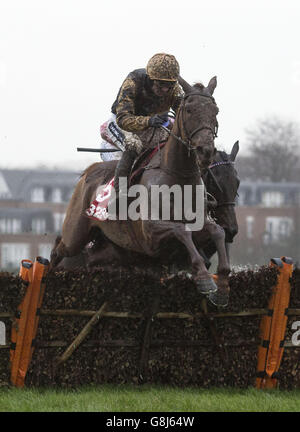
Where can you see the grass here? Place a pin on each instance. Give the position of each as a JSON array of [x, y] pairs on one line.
[[112, 398]]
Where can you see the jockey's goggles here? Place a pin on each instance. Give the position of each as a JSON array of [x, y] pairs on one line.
[[162, 84]]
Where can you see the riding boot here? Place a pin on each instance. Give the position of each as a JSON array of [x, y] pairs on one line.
[[123, 170]]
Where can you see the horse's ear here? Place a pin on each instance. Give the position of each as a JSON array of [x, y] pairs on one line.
[[187, 88], [234, 151], [212, 85]]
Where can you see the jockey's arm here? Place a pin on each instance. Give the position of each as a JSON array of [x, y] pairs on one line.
[[125, 109]]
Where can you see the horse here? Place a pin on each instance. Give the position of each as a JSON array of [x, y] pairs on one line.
[[189, 148], [222, 183]]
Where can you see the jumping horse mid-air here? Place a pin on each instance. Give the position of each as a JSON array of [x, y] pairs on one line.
[[188, 150]]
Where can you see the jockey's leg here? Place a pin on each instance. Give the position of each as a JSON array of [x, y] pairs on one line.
[[133, 146], [123, 168]]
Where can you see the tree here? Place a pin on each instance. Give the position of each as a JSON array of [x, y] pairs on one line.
[[274, 146]]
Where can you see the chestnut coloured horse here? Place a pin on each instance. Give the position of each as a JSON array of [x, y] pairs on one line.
[[189, 149]]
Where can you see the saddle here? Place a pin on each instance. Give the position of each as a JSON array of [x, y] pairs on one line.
[[98, 169], [98, 208], [142, 162]]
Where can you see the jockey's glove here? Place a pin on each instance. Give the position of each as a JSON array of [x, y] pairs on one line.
[[158, 120]]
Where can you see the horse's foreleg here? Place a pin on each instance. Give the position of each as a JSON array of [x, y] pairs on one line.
[[204, 282], [217, 234], [162, 231], [227, 247]]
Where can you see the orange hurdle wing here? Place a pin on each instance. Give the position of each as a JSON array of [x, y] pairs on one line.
[[19, 325], [39, 270]]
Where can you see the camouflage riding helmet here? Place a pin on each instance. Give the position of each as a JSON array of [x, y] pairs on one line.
[[163, 67]]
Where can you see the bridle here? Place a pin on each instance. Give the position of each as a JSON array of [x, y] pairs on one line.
[[189, 136], [213, 165]]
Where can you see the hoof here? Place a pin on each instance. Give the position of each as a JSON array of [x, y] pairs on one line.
[[206, 286], [219, 299]]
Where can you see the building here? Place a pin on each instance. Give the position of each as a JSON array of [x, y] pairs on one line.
[[32, 209], [268, 216]]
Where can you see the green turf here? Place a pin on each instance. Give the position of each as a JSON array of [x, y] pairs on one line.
[[147, 399]]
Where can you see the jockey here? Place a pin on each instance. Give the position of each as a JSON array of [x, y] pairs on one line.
[[143, 102]]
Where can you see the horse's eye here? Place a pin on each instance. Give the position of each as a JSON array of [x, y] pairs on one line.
[[189, 111]]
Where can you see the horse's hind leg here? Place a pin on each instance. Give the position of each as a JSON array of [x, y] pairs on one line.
[[58, 252], [74, 238]]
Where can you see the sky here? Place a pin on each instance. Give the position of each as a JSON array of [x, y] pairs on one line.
[[62, 63]]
